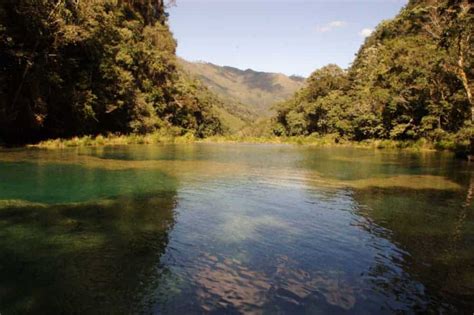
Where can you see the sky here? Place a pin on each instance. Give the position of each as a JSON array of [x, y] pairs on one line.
[[294, 37]]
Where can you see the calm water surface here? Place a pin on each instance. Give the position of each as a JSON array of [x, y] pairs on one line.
[[267, 229]]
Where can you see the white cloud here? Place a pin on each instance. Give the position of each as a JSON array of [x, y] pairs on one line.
[[366, 32], [330, 26]]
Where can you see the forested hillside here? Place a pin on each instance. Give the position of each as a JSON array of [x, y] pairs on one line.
[[248, 90], [93, 66], [412, 79]]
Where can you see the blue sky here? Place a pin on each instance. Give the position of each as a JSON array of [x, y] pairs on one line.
[[287, 36]]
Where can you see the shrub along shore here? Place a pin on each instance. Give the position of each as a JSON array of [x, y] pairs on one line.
[[460, 149]]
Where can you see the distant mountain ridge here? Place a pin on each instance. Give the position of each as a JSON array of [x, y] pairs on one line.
[[258, 91]]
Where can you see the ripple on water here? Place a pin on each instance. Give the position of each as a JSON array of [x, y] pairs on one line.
[[235, 229]]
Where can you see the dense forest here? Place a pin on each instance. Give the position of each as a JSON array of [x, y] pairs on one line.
[[90, 67], [412, 79], [76, 67]]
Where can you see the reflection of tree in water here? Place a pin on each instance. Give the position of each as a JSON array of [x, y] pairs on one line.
[[83, 258], [435, 229], [459, 243]]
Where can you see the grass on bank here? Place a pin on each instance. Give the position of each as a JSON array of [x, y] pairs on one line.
[[328, 140], [115, 140]]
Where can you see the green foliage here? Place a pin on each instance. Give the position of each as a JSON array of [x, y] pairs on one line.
[[411, 79], [312, 109], [90, 67], [246, 94]]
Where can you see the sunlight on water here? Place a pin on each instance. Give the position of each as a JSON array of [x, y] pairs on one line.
[[234, 228]]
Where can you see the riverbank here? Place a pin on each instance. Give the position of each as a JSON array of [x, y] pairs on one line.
[[115, 140], [330, 140]]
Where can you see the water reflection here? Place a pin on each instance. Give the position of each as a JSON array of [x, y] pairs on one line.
[[228, 284], [235, 229], [97, 257], [436, 230]]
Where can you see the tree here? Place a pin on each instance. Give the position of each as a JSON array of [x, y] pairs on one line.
[[92, 66], [411, 78]]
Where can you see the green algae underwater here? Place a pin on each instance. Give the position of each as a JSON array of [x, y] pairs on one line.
[[234, 228]]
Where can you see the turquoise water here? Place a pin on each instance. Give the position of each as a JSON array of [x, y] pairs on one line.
[[192, 229]]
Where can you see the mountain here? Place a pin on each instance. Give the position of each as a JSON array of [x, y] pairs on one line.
[[257, 91], [411, 79], [232, 115]]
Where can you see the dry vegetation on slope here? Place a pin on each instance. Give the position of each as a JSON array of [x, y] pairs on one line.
[[256, 91]]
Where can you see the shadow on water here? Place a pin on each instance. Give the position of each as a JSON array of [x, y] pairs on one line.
[[93, 257], [422, 204], [434, 231]]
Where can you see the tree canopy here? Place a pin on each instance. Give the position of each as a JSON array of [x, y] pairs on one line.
[[93, 66], [412, 78]]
